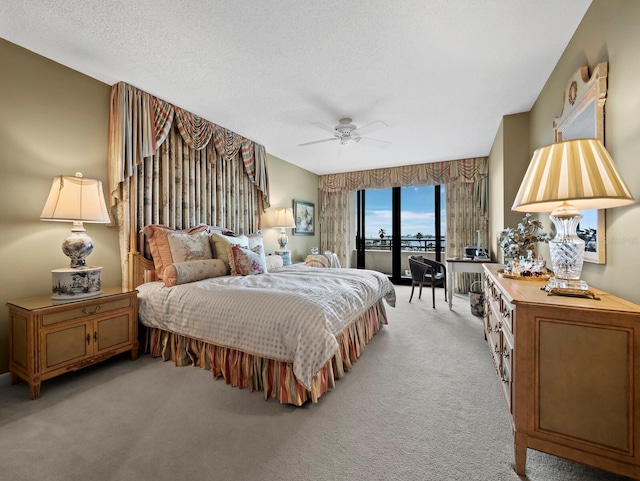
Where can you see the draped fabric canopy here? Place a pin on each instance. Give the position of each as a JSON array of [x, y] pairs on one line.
[[169, 166], [140, 123]]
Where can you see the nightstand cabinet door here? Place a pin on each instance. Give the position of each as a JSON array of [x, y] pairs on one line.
[[64, 345], [112, 332]]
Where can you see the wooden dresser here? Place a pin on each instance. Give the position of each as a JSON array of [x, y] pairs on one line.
[[570, 372], [48, 339]]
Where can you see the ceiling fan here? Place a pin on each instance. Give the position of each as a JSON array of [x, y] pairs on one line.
[[345, 132]]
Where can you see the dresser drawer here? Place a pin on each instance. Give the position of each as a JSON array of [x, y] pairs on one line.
[[503, 309], [100, 306], [506, 371], [493, 332], [507, 313]]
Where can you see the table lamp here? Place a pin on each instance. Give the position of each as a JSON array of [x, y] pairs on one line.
[[76, 200], [561, 179], [283, 219]]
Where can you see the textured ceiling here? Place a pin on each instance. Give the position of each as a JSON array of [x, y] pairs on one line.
[[439, 73]]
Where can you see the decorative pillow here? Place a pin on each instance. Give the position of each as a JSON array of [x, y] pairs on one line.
[[191, 271], [168, 245], [274, 262], [246, 262], [317, 260], [222, 242], [255, 239], [214, 229]]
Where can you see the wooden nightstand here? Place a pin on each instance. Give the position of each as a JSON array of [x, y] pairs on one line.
[[48, 338]]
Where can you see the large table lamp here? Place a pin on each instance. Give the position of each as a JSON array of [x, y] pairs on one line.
[[77, 200], [562, 179]]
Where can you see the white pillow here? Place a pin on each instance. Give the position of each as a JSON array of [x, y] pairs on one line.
[[274, 262]]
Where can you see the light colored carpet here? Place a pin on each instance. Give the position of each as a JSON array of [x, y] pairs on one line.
[[422, 403]]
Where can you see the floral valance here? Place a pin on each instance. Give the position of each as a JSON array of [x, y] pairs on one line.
[[140, 123], [465, 170]]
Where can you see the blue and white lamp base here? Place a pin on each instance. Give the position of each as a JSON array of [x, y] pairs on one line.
[[74, 283], [286, 256]]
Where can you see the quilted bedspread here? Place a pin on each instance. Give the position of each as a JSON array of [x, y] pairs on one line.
[[291, 314]]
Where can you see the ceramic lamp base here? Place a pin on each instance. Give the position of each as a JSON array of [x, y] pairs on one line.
[[286, 256], [76, 283]]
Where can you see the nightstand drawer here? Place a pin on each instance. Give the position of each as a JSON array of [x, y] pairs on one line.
[[99, 307]]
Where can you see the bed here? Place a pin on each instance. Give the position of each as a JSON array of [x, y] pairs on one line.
[[290, 331], [170, 169]]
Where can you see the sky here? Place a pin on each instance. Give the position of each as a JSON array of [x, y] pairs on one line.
[[417, 211]]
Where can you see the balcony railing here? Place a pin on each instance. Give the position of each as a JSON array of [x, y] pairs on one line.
[[378, 252], [424, 244]]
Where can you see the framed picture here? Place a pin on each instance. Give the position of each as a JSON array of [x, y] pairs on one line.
[[303, 214]]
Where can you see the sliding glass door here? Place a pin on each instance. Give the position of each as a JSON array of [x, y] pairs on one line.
[[393, 224]]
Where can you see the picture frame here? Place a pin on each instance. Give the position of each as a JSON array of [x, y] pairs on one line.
[[582, 116], [304, 217]]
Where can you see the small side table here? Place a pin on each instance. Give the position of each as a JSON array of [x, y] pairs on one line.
[[48, 338], [286, 256], [459, 264]]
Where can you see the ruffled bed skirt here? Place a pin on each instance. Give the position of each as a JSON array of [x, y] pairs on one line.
[[274, 377]]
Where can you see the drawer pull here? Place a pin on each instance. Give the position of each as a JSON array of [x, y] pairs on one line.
[[86, 311], [95, 336], [88, 339]]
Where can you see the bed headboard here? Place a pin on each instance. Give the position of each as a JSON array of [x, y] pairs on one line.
[[141, 270]]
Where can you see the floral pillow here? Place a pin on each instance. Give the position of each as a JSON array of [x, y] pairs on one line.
[[245, 261], [191, 271], [168, 245]]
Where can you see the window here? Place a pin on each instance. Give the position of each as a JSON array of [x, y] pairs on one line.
[[396, 223]]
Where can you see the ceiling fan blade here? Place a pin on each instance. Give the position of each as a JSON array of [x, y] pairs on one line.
[[372, 127], [324, 127], [317, 142], [374, 142]]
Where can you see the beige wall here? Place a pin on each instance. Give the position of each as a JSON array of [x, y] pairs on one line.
[[609, 32], [55, 121], [288, 182], [508, 160]]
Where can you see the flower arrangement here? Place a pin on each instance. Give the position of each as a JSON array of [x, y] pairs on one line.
[[516, 242]]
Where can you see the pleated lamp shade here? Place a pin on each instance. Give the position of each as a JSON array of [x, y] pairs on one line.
[[579, 172], [75, 199]]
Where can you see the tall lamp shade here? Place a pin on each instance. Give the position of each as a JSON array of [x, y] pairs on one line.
[[563, 178], [76, 199]]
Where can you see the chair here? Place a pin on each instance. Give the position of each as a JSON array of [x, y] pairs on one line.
[[425, 272]]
